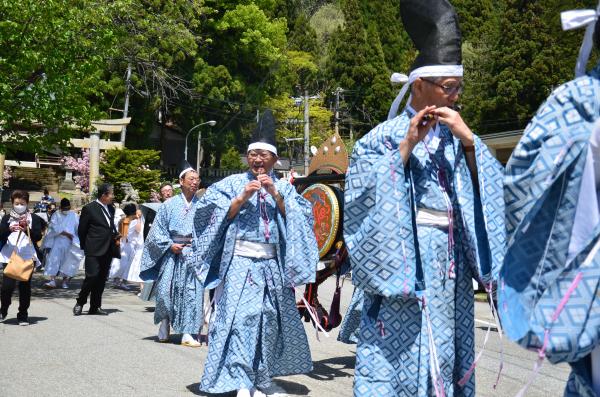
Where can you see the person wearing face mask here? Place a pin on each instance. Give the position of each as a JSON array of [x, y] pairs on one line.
[[19, 230], [62, 241]]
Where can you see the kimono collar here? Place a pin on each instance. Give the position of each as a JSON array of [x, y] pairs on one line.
[[189, 203]]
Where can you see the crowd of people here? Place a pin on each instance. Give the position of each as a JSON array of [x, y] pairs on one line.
[[52, 239], [427, 210]]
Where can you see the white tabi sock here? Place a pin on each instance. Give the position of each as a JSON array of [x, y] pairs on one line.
[[243, 393]]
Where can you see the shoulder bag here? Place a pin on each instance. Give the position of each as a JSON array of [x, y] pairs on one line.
[[18, 268]]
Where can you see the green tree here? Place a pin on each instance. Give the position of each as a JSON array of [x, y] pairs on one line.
[[290, 117], [52, 58], [356, 62], [243, 65], [384, 16], [133, 166], [325, 22], [231, 160], [529, 57]]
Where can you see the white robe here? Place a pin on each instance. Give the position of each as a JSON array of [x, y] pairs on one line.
[[65, 255], [131, 251], [115, 264], [24, 247], [134, 246]]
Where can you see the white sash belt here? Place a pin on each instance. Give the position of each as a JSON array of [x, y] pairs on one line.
[[254, 250], [429, 217]]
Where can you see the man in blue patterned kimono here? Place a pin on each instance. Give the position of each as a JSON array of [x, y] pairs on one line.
[[423, 216], [179, 294], [254, 239], [351, 321], [549, 284]]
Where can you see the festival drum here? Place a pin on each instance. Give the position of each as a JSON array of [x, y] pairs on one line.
[[327, 203]]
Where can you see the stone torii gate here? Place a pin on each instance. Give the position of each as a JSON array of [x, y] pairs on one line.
[[95, 144]]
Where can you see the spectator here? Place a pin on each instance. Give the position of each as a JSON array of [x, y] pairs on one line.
[[62, 240], [20, 231], [97, 235], [166, 191], [120, 267], [134, 247]]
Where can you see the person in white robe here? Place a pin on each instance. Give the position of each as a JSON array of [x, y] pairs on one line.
[[133, 249], [62, 241], [120, 267]]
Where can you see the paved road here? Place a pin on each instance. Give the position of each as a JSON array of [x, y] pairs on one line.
[[117, 355]]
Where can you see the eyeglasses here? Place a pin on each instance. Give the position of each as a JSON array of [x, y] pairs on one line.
[[448, 89], [263, 155]]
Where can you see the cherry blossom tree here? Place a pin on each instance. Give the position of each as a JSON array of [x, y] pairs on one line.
[[81, 168], [7, 175]]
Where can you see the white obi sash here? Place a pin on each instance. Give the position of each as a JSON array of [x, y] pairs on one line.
[[250, 249], [434, 218]]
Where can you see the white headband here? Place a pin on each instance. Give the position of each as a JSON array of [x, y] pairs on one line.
[[263, 146], [425, 71], [575, 19], [188, 169]]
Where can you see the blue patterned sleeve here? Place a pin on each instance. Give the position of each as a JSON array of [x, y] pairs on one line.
[[157, 244], [483, 213], [209, 233], [298, 245], [378, 217]]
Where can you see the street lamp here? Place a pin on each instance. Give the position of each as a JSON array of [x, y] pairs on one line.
[[211, 123]]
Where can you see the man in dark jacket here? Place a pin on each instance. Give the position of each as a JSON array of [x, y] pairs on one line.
[[97, 236]]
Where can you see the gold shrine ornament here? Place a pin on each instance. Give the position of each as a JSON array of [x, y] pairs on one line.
[[331, 156]]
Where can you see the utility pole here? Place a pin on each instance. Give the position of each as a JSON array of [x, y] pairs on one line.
[[337, 109], [306, 133], [2, 160], [126, 107]]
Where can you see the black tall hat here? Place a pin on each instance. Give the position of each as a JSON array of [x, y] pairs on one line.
[[184, 167], [433, 27], [263, 136]]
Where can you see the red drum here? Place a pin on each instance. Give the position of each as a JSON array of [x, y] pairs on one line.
[[327, 211]]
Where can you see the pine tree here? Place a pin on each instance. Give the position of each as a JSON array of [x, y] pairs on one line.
[[397, 46], [356, 62], [529, 58]]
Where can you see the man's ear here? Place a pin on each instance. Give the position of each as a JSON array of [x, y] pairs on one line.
[[417, 87]]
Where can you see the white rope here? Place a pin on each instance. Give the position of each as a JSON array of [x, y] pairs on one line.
[[576, 19]]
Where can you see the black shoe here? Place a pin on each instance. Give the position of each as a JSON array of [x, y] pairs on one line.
[[98, 312], [2, 317], [77, 310]]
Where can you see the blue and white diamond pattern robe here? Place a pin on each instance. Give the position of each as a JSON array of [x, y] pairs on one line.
[[553, 225], [179, 293], [351, 320], [256, 332], [397, 263]]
